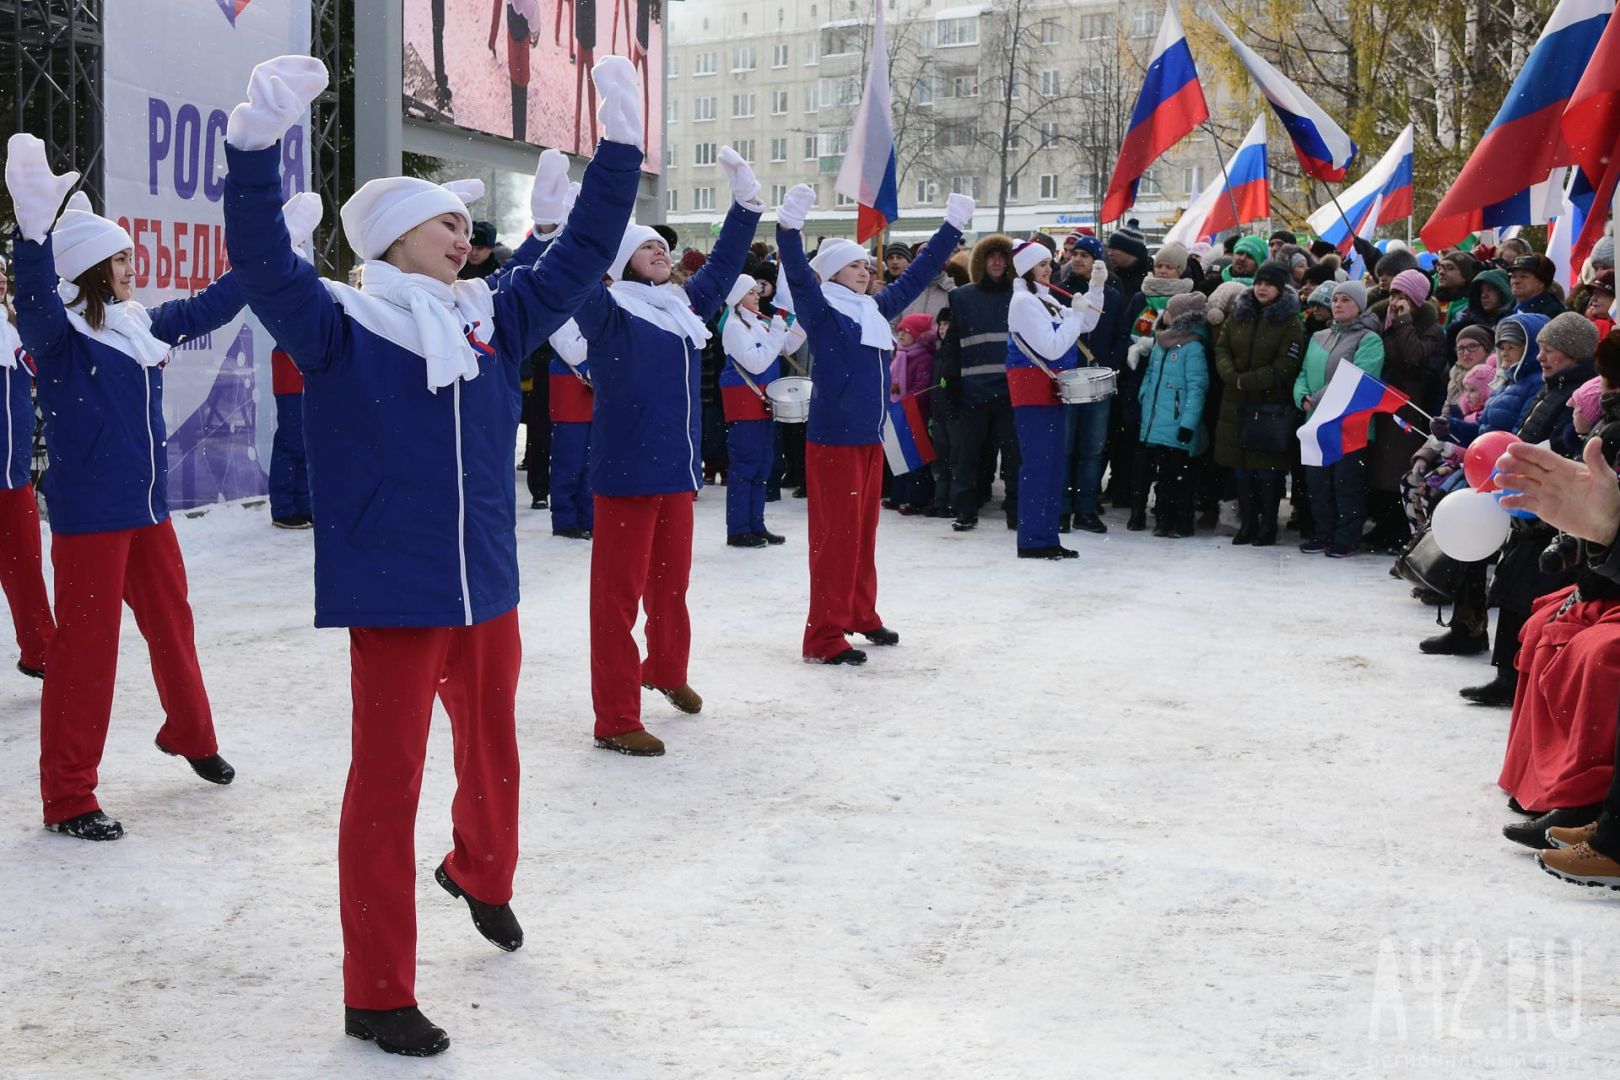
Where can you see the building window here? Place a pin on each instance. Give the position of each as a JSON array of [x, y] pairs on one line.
[[965, 185], [840, 40], [1049, 184], [957, 133], [1015, 138], [704, 64], [922, 92], [810, 46], [672, 111], [779, 102], [703, 154], [963, 31], [672, 155], [1012, 189], [1142, 22], [1096, 27], [672, 202], [674, 65], [1192, 180], [778, 193], [744, 58], [1149, 185], [1086, 187], [1051, 32], [810, 148], [742, 105], [842, 200], [1050, 83], [1049, 135], [965, 86], [703, 198], [927, 191], [779, 56], [830, 143], [745, 149], [703, 108], [779, 149], [844, 92], [812, 98]]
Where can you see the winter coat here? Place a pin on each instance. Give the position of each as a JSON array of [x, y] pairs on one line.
[[1550, 418], [935, 296], [16, 385], [1543, 303], [849, 400], [972, 362], [1474, 314], [1414, 364], [1051, 331], [104, 427], [912, 369], [415, 520], [1516, 390], [1262, 346], [1175, 385], [1358, 343]]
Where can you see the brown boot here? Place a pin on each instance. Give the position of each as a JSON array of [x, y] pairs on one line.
[[637, 743], [1563, 837], [683, 697], [1581, 865]]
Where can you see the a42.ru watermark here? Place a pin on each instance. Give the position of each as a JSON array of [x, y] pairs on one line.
[[1517, 990]]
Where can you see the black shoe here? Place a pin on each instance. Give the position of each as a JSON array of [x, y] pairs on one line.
[[964, 524], [296, 521], [889, 504], [1455, 642], [772, 538], [748, 540], [537, 504], [92, 826], [213, 768], [1064, 523], [1161, 529], [1067, 553], [1341, 551], [1041, 553], [1533, 833], [940, 512], [396, 1031], [495, 921], [1314, 547], [1498, 692], [799, 492], [31, 672], [1137, 522], [572, 534], [881, 636], [1090, 523], [1513, 805], [850, 657]]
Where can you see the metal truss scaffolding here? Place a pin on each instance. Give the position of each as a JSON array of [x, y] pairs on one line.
[[50, 80]]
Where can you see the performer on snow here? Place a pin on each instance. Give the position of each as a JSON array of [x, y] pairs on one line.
[[573, 509], [1042, 338], [646, 340], [851, 341], [100, 357], [754, 349], [21, 575], [411, 393]]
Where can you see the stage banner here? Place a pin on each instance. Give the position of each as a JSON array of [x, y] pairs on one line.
[[173, 71], [520, 69]]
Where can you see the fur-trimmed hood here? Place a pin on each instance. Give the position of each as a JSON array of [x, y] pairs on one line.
[[1158, 286], [981, 254], [1190, 326], [1285, 307]]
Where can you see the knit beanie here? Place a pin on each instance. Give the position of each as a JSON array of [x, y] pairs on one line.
[[634, 236], [1090, 245], [1253, 247], [1413, 284], [1284, 236], [692, 260], [902, 250], [1185, 304], [1465, 263], [1587, 401], [1273, 273], [83, 238], [1122, 240], [1323, 295], [1222, 301], [384, 210], [1172, 254], [1482, 337], [1397, 260], [1571, 334], [1027, 256], [1480, 378], [917, 323], [1603, 253], [1355, 290], [744, 285], [834, 255]]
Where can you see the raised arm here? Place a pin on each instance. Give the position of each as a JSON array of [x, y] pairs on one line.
[[41, 320], [808, 303], [707, 289], [179, 320], [898, 296]]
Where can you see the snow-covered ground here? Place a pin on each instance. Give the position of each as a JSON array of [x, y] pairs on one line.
[[1174, 809]]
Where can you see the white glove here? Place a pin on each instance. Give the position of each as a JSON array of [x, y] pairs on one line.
[[278, 93], [744, 187], [1099, 278], [795, 206], [959, 210], [619, 110], [36, 192], [1133, 358], [302, 213], [548, 198]]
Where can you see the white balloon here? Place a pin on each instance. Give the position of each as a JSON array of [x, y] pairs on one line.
[[1470, 525]]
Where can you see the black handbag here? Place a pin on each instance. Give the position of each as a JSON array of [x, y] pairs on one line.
[[1427, 567], [1266, 429]]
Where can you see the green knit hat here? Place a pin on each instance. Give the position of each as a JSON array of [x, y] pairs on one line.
[[1254, 247]]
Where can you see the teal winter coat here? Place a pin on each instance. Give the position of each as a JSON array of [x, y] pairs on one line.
[[1175, 385]]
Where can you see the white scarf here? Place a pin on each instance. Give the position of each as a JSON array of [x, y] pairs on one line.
[[875, 330], [1041, 293], [125, 326], [666, 306], [423, 316], [9, 341]]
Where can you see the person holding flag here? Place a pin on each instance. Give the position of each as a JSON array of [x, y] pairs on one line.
[[851, 340], [1042, 340]]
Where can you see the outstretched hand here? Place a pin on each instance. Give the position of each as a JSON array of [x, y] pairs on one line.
[[619, 111], [1581, 498], [796, 205], [548, 198], [278, 93]]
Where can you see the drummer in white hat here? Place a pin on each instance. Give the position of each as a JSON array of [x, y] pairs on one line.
[[411, 397], [754, 348]]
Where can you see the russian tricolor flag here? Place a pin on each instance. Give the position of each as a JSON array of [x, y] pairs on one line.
[[1250, 191], [1378, 198], [1170, 106], [1339, 424], [905, 437], [868, 172], [1525, 141], [1591, 127], [1324, 150]]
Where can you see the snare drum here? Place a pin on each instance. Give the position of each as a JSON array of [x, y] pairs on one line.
[[790, 399], [1081, 386]]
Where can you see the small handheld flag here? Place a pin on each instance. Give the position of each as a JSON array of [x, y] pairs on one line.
[[905, 437], [868, 172], [1339, 424]]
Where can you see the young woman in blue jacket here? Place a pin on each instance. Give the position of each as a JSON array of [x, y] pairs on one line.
[[21, 576], [411, 402], [646, 338], [849, 406], [100, 357], [753, 346]]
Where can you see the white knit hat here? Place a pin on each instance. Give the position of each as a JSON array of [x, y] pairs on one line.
[[1028, 255], [382, 211], [835, 255], [743, 286], [634, 237], [82, 238]]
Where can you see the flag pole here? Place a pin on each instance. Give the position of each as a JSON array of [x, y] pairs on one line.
[[1342, 215], [1226, 181]]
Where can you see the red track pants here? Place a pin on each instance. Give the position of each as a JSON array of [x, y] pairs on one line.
[[641, 555], [20, 574], [844, 485], [395, 674], [96, 573]]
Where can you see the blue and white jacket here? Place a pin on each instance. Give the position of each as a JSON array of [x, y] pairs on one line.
[[412, 489], [16, 383], [104, 431], [646, 429], [849, 400]]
